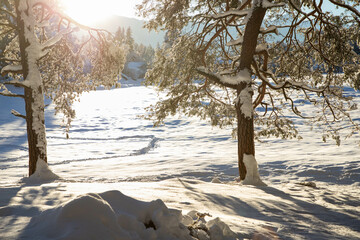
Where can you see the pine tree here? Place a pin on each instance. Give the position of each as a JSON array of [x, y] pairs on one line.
[[120, 34], [129, 40]]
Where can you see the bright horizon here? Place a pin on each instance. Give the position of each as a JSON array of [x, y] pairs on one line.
[[90, 11]]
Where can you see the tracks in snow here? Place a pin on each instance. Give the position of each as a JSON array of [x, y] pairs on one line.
[[142, 151]]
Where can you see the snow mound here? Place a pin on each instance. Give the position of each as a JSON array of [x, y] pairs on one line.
[[252, 171], [214, 229], [113, 215], [216, 180], [43, 174]]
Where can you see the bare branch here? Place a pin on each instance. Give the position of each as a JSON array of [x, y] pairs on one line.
[[17, 114], [291, 84], [348, 7]]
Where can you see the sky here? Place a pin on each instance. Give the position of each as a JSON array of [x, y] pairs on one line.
[[90, 11], [126, 8]]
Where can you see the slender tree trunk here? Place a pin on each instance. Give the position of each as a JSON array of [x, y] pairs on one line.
[[34, 98], [245, 135]]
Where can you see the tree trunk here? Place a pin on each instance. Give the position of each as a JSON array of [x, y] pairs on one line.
[[35, 124], [245, 127], [34, 97], [245, 134]]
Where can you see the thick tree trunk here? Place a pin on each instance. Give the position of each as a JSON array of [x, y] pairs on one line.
[[245, 127], [245, 135], [35, 123], [34, 98]]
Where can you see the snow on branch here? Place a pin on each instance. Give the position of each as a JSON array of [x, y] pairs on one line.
[[226, 80], [267, 4], [271, 29], [235, 42], [260, 48], [52, 41], [236, 13], [11, 69], [5, 92]]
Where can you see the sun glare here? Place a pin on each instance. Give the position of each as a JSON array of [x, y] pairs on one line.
[[88, 12]]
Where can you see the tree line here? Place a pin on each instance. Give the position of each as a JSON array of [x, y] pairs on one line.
[[137, 52]]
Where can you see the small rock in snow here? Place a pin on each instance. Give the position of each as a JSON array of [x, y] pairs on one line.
[[308, 184]]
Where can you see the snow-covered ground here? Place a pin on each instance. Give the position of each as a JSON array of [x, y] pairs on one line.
[[313, 187]]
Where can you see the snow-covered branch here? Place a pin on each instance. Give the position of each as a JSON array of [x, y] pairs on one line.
[[226, 80], [260, 48], [5, 92], [11, 69], [271, 29], [236, 13], [235, 42], [267, 4], [214, 77], [52, 41]]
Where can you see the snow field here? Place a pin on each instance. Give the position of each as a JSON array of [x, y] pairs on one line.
[[312, 187]]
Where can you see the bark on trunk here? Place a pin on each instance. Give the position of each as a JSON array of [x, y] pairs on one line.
[[245, 136], [34, 100], [35, 125]]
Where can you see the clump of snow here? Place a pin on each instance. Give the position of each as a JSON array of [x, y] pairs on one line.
[[238, 41], [267, 4], [252, 171], [113, 215], [42, 174], [10, 68], [219, 230], [260, 48], [214, 229], [242, 76], [216, 180], [245, 101]]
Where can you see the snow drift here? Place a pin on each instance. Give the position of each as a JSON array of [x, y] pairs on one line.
[[43, 174], [113, 215]]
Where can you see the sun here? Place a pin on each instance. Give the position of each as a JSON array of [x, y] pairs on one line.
[[89, 12]]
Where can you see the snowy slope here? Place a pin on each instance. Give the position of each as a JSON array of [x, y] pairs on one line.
[[111, 148]]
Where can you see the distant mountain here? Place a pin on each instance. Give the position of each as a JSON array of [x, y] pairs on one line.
[[140, 34]]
